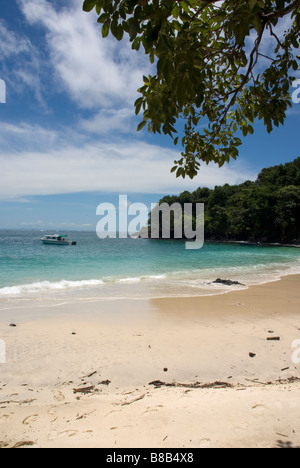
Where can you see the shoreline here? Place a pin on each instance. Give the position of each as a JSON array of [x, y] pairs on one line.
[[213, 371], [180, 277], [75, 290], [254, 243]]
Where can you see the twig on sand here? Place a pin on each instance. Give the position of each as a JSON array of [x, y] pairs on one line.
[[85, 415], [90, 375], [84, 390], [159, 383], [217, 385], [257, 381], [133, 401], [20, 402], [24, 443]]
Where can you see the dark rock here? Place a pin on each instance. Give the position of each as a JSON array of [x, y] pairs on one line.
[[13, 325], [252, 355], [228, 282]]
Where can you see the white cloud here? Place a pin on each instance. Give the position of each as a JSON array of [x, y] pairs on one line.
[[108, 120], [12, 44], [116, 167], [95, 72], [34, 138], [25, 72]]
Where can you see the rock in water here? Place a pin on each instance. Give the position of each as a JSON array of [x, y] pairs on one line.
[[228, 282]]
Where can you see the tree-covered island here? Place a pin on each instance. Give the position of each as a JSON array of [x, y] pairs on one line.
[[266, 211]]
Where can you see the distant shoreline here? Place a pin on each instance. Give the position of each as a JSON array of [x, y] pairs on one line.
[[253, 243]]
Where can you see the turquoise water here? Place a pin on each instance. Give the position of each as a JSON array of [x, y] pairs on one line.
[[131, 267]]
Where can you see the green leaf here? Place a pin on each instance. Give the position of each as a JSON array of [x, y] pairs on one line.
[[176, 11], [258, 24], [269, 127], [252, 4], [102, 18], [138, 104], [136, 44], [117, 30], [105, 29], [141, 125], [89, 5]]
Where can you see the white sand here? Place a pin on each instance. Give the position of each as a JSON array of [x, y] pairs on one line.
[[54, 350]]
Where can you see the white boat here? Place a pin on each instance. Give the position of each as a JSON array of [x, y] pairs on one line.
[[56, 239]]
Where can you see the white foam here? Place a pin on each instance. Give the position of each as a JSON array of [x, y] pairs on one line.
[[137, 279], [44, 286], [129, 280], [171, 284]]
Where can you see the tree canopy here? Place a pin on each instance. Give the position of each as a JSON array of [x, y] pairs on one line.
[[267, 210], [212, 70]]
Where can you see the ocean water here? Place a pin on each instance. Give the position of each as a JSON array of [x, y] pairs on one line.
[[131, 268]]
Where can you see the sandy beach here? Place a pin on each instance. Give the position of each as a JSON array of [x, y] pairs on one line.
[[219, 371]]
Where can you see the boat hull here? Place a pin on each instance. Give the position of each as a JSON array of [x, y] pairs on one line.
[[49, 242]]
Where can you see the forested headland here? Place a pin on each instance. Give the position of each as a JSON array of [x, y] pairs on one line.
[[267, 210]]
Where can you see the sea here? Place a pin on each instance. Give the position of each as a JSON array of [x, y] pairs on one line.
[[132, 268]]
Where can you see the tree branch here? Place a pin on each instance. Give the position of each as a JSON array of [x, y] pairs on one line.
[[206, 4], [281, 13], [252, 63]]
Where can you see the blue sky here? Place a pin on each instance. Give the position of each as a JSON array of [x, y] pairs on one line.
[[68, 137]]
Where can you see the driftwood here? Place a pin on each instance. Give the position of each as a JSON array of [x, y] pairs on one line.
[[24, 443], [19, 402], [159, 384], [104, 382], [90, 375], [273, 338], [289, 380], [84, 390]]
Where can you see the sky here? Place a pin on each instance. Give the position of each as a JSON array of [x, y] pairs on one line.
[[68, 139]]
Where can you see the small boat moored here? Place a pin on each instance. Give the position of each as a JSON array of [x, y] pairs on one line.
[[57, 239]]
